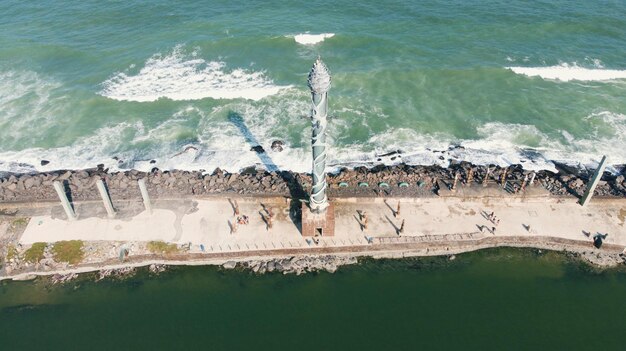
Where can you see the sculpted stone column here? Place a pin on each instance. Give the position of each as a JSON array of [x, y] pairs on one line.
[[319, 83]]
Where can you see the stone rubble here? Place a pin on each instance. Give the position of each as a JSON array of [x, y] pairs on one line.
[[422, 179], [116, 273], [296, 264]]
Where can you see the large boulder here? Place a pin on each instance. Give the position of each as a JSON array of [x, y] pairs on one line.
[[277, 145]]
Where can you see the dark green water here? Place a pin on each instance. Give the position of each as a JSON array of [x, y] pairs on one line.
[[500, 300]]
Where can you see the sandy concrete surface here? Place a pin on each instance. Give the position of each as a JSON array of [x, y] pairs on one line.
[[208, 222]]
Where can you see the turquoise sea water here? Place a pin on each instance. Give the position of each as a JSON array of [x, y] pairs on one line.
[[492, 300], [511, 81]]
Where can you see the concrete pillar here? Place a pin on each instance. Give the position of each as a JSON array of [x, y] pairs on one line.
[[532, 178], [486, 176], [106, 199], [524, 182], [144, 195], [69, 210], [591, 186]]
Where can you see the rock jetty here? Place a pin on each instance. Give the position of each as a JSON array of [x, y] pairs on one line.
[[416, 181]]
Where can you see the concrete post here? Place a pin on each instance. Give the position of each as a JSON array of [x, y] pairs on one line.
[[69, 210], [106, 199], [532, 178], [144, 195], [591, 186], [486, 176], [524, 182]]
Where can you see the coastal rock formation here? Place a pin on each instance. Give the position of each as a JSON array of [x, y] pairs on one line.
[[603, 259], [400, 180], [299, 264], [277, 145]]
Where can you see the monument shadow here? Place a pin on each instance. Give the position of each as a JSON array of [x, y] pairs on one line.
[[296, 191]]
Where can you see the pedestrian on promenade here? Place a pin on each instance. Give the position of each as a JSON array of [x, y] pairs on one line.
[[493, 230]]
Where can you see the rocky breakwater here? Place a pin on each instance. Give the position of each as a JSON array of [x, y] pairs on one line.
[[81, 185], [295, 264], [418, 180]]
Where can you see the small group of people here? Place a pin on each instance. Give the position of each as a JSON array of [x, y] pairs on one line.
[[243, 219], [492, 217]]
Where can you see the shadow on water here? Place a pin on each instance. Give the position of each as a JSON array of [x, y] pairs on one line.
[[296, 192]]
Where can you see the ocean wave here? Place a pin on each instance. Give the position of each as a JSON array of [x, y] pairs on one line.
[[27, 99], [178, 77], [311, 39], [226, 144], [566, 72]]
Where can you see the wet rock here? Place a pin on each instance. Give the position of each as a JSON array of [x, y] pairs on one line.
[[277, 145], [258, 149], [156, 268], [44, 162], [230, 265]]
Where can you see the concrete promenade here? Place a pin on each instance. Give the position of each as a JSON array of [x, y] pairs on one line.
[[206, 223]]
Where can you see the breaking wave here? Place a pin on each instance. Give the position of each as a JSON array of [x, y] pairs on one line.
[[178, 77], [311, 39], [226, 144], [566, 72]]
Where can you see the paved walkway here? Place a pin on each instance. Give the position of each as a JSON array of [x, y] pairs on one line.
[[208, 222]]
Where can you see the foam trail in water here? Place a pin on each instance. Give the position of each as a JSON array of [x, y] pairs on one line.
[[176, 77], [566, 73], [312, 39]]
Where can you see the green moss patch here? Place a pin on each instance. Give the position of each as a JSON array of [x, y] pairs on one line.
[[68, 251], [160, 247], [35, 252]]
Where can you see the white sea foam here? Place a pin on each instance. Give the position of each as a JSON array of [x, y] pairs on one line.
[[178, 77], [566, 72], [311, 39], [26, 99], [226, 134]]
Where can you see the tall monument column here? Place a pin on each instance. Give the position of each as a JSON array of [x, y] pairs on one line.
[[319, 83], [318, 218]]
